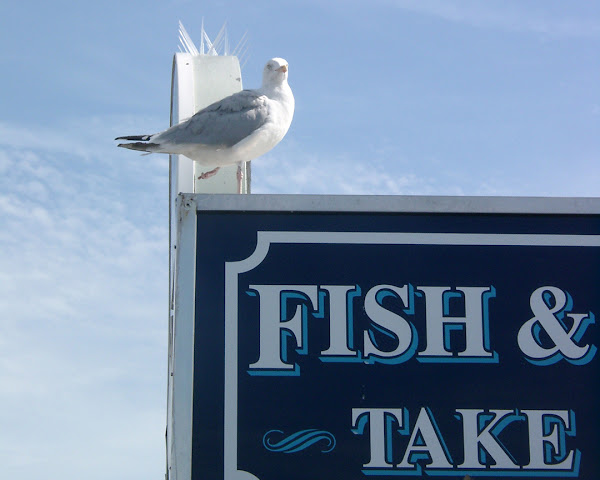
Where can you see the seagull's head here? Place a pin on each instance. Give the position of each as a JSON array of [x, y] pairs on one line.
[[275, 72]]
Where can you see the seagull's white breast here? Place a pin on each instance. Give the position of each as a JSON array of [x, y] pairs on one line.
[[281, 111]]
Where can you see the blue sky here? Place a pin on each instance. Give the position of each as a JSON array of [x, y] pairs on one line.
[[452, 97]]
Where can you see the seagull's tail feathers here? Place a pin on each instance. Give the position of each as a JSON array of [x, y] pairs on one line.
[[142, 147], [143, 138]]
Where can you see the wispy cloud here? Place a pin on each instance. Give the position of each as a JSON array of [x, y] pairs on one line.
[[83, 280], [290, 170], [385, 170]]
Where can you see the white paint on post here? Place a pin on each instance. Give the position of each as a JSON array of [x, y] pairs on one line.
[[181, 179], [181, 347], [198, 79], [182, 106]]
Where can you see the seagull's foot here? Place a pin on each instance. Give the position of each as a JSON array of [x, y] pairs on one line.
[[206, 175]]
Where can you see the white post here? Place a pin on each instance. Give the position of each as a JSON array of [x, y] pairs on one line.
[[197, 81]]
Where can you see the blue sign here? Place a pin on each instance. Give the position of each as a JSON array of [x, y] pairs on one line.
[[355, 345]]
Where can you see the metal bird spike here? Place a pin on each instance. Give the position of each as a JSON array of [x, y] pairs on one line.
[[209, 47], [219, 39], [202, 37], [186, 41]]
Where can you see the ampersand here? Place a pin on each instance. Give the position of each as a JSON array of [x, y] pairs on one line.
[[549, 306]]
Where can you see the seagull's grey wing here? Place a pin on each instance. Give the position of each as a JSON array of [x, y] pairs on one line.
[[224, 123]]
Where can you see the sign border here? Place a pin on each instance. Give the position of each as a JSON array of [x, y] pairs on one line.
[[191, 204]]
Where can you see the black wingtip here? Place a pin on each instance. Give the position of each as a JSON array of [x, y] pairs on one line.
[[140, 146], [143, 138]]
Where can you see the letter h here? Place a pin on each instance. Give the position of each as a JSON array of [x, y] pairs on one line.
[[439, 324]]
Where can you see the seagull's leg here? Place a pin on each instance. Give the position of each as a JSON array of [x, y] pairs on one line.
[[206, 175], [240, 177]]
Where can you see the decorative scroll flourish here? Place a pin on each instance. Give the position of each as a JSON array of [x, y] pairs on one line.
[[298, 441]]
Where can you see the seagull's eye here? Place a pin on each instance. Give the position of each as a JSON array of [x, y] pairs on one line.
[[269, 66]]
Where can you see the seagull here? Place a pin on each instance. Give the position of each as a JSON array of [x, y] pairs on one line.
[[238, 128]]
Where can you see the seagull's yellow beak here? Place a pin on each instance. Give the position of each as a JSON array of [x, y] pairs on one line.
[[283, 69]]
